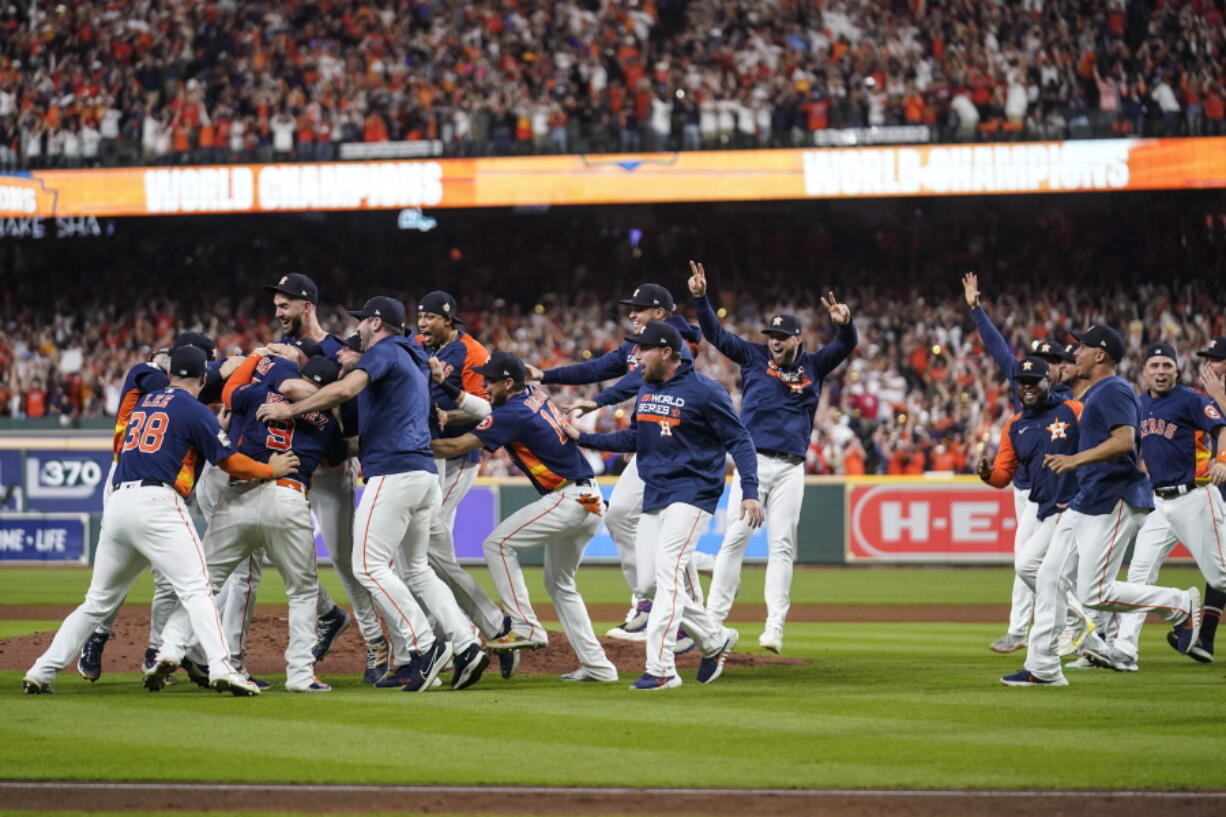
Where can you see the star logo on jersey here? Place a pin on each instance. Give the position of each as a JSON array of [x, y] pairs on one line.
[[1057, 430], [666, 429], [1212, 413]]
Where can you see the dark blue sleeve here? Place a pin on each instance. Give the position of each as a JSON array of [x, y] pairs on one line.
[[337, 450], [213, 384], [733, 347], [247, 396], [606, 367], [832, 354], [733, 434], [1118, 407], [498, 428], [152, 380], [281, 371], [624, 441], [994, 342], [375, 361], [206, 435], [1204, 413], [622, 390]]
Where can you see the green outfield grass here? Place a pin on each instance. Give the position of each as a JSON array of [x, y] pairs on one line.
[[879, 705]]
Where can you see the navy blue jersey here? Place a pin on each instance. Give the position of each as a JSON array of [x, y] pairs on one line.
[[314, 436], [682, 430], [213, 384], [1027, 438], [620, 361], [140, 379], [393, 411], [777, 405], [458, 358], [530, 426], [330, 345], [1176, 436], [1109, 403], [169, 436]]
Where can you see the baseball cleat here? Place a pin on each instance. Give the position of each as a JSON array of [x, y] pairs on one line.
[[771, 640], [621, 633], [195, 673], [90, 662], [260, 682], [1110, 658], [330, 625], [506, 627], [1201, 651], [31, 687], [1081, 663], [508, 662], [1188, 630], [637, 622], [316, 685], [514, 641], [378, 656], [650, 682], [398, 677], [712, 666], [235, 684], [683, 644], [1024, 678], [1007, 643], [604, 675], [155, 677], [469, 665], [428, 665], [151, 658]]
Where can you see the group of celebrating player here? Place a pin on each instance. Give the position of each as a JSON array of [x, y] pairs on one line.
[[1073, 452], [302, 420]]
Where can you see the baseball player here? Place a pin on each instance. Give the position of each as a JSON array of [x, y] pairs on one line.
[[402, 489], [1021, 607], [781, 384], [274, 515], [1177, 425], [684, 427], [567, 515], [1113, 496], [649, 302], [146, 521], [458, 353], [141, 379]]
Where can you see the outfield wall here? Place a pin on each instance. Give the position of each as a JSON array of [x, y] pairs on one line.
[[52, 487]]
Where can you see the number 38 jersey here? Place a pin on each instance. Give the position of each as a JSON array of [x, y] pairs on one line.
[[168, 437], [530, 427], [313, 437]]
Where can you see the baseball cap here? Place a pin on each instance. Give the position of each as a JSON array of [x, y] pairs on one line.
[[296, 285], [308, 347], [502, 365], [321, 370], [353, 342], [198, 339], [188, 361], [440, 303], [1103, 337], [1216, 349], [649, 295], [381, 306], [1031, 368], [657, 335], [782, 324], [1161, 350], [1052, 352]]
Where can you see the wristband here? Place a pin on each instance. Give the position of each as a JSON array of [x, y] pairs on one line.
[[450, 389]]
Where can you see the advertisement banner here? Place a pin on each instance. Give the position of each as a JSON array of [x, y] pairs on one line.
[[746, 175], [54, 537], [65, 481]]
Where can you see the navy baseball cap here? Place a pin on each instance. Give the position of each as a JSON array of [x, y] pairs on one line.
[[440, 303], [296, 285], [651, 295], [353, 342], [1161, 350], [1052, 352], [658, 335], [381, 306], [1103, 337], [1031, 368], [1215, 350], [321, 370], [782, 324], [198, 339], [188, 361], [502, 365], [308, 347]]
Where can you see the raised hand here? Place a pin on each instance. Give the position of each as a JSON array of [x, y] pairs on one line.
[[436, 370], [698, 280], [581, 406], [970, 288], [984, 468], [535, 375], [839, 313], [1213, 384]]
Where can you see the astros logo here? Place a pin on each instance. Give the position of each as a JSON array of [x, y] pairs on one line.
[[1057, 430], [777, 321]]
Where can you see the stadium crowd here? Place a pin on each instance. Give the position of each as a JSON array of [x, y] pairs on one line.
[[174, 81]]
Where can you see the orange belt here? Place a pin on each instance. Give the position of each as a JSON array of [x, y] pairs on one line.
[[289, 483]]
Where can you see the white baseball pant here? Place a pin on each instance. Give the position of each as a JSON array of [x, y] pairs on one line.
[[332, 502], [253, 516], [622, 519], [393, 524], [560, 523], [664, 545], [456, 478], [1028, 558], [1198, 519], [1026, 515], [781, 488], [1089, 550], [141, 526]]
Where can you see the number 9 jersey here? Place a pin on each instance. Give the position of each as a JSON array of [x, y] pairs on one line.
[[168, 437]]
